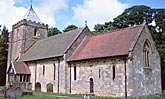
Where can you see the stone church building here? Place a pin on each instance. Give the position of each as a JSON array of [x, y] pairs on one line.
[[120, 63]]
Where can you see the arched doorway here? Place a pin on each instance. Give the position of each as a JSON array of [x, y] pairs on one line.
[[37, 86], [49, 87], [91, 85]]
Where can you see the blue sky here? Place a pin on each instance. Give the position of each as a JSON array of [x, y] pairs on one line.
[[61, 13], [150, 3]]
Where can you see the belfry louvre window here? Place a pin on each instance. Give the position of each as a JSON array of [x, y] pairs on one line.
[[146, 57], [35, 32]]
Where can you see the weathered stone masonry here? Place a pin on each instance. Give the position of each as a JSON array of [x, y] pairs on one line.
[[138, 82], [101, 71]]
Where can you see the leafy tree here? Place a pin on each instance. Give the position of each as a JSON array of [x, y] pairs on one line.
[[53, 31], [134, 16], [100, 28], [3, 54], [70, 27], [159, 16]]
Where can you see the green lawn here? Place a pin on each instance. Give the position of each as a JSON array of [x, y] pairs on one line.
[[45, 95], [2, 87], [42, 95]]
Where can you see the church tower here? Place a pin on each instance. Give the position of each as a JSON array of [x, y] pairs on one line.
[[24, 34]]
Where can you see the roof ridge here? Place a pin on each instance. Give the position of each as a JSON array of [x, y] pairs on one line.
[[63, 33], [117, 30]]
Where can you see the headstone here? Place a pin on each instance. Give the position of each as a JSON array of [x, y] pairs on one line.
[[10, 93], [23, 86], [86, 97], [49, 87], [29, 86], [18, 92], [2, 93], [13, 92]]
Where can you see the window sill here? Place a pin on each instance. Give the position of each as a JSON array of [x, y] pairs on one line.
[[36, 37], [147, 68]]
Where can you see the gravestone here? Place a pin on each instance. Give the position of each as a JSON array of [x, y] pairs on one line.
[[29, 86], [13, 92], [2, 93], [49, 87]]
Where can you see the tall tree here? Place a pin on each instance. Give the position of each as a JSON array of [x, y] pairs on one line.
[[107, 26], [70, 27], [134, 16], [98, 28], [3, 54], [53, 31], [159, 16]]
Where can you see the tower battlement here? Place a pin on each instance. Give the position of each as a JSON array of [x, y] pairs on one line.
[[29, 22]]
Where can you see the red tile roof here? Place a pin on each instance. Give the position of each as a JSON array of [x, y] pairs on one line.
[[21, 68], [109, 44]]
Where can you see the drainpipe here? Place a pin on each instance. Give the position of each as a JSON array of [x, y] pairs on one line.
[[58, 76], [70, 77], [35, 71], [125, 67]]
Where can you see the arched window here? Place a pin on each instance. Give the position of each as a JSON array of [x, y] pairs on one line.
[[99, 73], [146, 54], [75, 73], [91, 85], [146, 57], [43, 70], [54, 71], [113, 72]]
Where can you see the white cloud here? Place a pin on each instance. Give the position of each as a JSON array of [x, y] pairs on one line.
[[46, 10], [10, 14], [94, 11], [97, 11]]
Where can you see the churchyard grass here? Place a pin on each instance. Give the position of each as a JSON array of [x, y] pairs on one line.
[[2, 87], [44, 95], [49, 95], [69, 96]]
